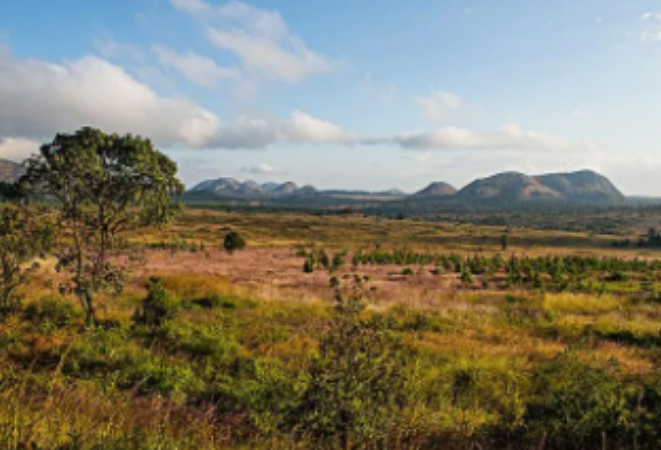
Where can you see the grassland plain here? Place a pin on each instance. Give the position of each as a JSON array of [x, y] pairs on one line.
[[550, 343]]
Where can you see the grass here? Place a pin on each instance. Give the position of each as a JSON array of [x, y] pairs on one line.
[[428, 363]]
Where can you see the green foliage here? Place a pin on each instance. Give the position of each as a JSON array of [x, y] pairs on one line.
[[158, 307], [308, 265], [24, 235], [466, 277], [577, 403], [357, 383], [52, 312], [234, 242], [103, 185]]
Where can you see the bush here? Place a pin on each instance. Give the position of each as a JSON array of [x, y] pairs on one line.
[[215, 301], [358, 384], [577, 403], [234, 242], [158, 307], [53, 311]]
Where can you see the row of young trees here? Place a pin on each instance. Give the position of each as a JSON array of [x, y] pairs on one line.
[[97, 187], [481, 264]]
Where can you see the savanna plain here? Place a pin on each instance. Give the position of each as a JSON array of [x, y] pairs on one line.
[[342, 331]]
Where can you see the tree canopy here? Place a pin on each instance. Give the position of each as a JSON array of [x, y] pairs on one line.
[[103, 185]]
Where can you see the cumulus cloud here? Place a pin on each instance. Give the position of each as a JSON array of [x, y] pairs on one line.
[[198, 69], [507, 137], [300, 128], [438, 106], [260, 38], [39, 99], [17, 149], [263, 169]]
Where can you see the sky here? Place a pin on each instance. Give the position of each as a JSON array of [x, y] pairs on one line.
[[352, 94]]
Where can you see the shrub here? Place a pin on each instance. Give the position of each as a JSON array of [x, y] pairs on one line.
[[158, 307], [200, 341], [308, 265], [234, 242], [577, 403], [357, 386], [53, 311], [215, 301]]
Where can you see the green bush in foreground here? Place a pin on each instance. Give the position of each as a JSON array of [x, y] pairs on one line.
[[158, 307]]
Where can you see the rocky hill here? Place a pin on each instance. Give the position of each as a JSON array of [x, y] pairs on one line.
[[9, 171], [436, 190], [584, 186], [229, 187], [508, 187]]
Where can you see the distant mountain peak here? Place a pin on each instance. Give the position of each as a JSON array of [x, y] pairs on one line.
[[435, 190]]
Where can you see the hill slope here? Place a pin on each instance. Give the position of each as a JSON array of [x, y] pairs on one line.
[[508, 187], [583, 186], [436, 190]]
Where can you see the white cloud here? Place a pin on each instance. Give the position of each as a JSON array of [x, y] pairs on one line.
[[440, 105], [507, 137], [301, 128], [263, 169], [651, 16], [305, 128], [17, 149], [652, 33], [198, 69], [259, 38], [39, 99]]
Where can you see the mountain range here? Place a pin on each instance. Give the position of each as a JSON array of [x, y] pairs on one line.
[[582, 187], [229, 187]]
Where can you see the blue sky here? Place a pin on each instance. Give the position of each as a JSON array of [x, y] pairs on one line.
[[345, 94]]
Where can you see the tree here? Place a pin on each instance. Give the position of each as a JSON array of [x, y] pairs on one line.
[[233, 242], [22, 238], [505, 241], [103, 185]]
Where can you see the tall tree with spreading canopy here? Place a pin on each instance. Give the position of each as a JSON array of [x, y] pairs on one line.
[[103, 185]]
